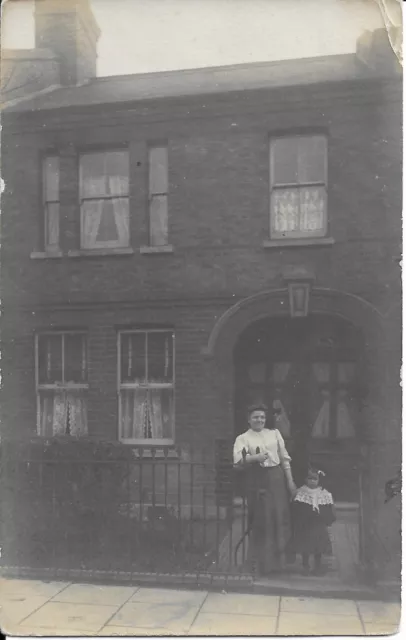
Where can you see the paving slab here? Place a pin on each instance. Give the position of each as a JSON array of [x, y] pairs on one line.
[[67, 615], [241, 604], [379, 612], [138, 632], [381, 629], [328, 606], [20, 630], [95, 594], [30, 587], [176, 617], [234, 625], [174, 596], [318, 624], [14, 609]]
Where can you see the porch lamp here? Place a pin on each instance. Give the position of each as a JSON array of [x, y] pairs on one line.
[[299, 285], [299, 299]]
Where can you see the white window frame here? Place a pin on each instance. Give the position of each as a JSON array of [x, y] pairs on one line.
[[146, 385], [104, 244], [153, 194], [45, 203], [64, 386], [290, 235]]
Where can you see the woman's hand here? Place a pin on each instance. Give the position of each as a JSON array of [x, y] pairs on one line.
[[260, 457], [292, 489], [290, 482]]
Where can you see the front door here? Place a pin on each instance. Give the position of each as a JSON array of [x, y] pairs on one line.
[[307, 369]]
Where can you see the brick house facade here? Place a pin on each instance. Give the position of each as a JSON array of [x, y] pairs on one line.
[[220, 270]]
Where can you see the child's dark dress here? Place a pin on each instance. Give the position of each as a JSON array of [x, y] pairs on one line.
[[312, 513]]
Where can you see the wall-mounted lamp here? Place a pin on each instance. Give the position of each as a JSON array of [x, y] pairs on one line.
[[299, 283], [299, 293]]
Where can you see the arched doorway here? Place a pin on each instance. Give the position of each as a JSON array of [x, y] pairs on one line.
[[374, 394], [309, 370]]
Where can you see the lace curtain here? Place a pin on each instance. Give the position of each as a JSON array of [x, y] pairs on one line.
[[146, 413], [345, 418], [92, 210], [321, 426], [119, 187], [298, 209], [280, 373], [105, 200], [63, 413]]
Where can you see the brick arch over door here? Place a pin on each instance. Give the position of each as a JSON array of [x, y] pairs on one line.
[[275, 303], [376, 360]]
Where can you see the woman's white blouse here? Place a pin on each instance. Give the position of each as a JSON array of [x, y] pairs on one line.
[[269, 441]]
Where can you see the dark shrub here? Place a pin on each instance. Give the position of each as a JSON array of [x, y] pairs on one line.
[[60, 498]]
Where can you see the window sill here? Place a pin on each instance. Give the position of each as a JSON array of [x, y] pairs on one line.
[[298, 242], [100, 252], [43, 255], [158, 454], [164, 443], [158, 450], [167, 248]]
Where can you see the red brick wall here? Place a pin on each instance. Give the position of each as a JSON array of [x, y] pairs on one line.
[[193, 382], [218, 208]]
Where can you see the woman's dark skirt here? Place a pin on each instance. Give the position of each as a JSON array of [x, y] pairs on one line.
[[269, 514]]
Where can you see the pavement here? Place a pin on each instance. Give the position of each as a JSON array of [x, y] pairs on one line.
[[33, 607]]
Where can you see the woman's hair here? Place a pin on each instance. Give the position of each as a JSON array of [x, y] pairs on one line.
[[257, 407]]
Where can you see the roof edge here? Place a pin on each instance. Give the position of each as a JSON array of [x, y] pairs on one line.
[[30, 96], [229, 67]]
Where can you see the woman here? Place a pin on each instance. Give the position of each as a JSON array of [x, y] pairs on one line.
[[269, 481]]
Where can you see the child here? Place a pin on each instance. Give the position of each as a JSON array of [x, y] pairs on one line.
[[312, 512]]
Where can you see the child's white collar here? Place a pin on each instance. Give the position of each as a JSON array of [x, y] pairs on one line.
[[315, 497]]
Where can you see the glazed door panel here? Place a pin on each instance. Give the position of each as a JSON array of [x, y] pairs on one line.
[[318, 414]]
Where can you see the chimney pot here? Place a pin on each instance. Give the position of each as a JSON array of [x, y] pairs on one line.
[[374, 50]]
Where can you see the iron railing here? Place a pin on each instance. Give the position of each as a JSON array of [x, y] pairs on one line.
[[166, 512], [152, 512]]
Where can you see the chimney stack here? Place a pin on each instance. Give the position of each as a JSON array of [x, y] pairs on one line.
[[375, 50], [69, 29]]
